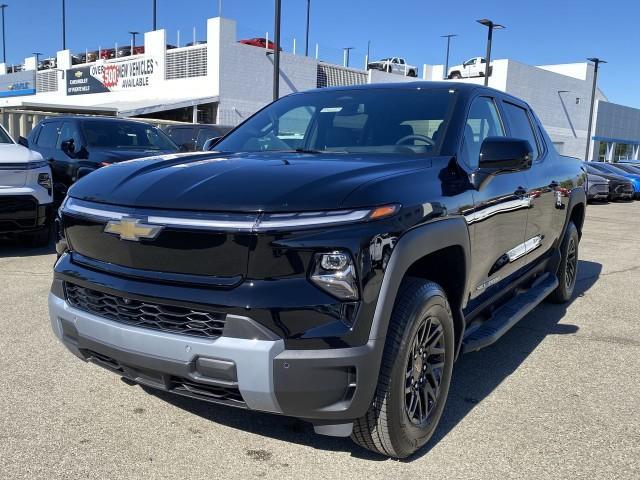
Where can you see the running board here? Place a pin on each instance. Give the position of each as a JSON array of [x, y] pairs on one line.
[[509, 314]]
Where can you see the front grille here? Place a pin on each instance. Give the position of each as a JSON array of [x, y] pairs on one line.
[[17, 203], [146, 314], [623, 188]]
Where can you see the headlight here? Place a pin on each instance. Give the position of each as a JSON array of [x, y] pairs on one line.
[[335, 273], [44, 180]]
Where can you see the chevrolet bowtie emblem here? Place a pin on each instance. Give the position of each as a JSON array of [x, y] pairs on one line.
[[132, 229]]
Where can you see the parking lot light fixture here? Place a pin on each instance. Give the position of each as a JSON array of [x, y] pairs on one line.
[[133, 40], [446, 63], [596, 62], [64, 25], [306, 45], [276, 50], [491, 26], [4, 43], [155, 15], [346, 51]]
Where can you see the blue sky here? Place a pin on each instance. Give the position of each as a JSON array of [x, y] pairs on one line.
[[538, 32]]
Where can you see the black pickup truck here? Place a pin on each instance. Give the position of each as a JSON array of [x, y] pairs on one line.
[[329, 260]]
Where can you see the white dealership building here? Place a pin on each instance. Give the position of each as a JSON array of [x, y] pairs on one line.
[[223, 81]]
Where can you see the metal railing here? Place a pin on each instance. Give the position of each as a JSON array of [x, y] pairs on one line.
[[47, 81], [186, 62], [335, 76]]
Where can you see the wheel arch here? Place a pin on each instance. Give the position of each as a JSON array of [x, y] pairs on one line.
[[424, 252]]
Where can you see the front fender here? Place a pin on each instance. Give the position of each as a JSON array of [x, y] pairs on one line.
[[413, 245]]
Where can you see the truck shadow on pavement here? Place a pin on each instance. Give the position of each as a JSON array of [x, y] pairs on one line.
[[476, 375], [13, 247]]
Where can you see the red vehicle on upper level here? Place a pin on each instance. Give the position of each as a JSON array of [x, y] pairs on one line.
[[259, 42]]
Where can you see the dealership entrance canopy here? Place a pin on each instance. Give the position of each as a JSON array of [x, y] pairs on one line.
[[221, 80]]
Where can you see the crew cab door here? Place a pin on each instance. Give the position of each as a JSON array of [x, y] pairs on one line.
[[468, 69], [542, 180], [498, 219]]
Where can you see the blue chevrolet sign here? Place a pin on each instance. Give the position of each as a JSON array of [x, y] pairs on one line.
[[18, 83]]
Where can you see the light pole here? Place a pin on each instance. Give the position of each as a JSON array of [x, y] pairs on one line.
[[346, 51], [4, 47], [133, 40], [155, 15], [220, 8], [492, 26], [446, 63], [306, 44], [64, 26], [276, 51], [37, 55], [596, 61]]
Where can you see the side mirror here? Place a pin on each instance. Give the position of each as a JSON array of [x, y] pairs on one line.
[[23, 141], [209, 144], [68, 147], [503, 154]]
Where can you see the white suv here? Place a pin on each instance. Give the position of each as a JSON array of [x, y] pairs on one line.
[[26, 192]]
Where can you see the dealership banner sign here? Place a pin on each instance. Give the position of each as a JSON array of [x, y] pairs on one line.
[[18, 83], [111, 76]]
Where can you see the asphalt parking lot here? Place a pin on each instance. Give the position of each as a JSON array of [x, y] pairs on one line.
[[557, 397]]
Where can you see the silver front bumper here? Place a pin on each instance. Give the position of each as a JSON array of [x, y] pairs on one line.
[[253, 358]]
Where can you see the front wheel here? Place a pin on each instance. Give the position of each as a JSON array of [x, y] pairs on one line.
[[414, 375], [568, 269]]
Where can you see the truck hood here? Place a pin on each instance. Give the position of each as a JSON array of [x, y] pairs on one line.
[[12, 153], [248, 182]]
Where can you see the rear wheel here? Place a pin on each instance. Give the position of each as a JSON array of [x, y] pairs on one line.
[[568, 270], [414, 375]]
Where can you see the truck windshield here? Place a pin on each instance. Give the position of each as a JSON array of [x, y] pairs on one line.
[[4, 136], [396, 121], [125, 136]]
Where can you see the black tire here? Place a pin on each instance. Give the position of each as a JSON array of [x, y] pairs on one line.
[[421, 311], [568, 269], [38, 238], [413, 73], [456, 75]]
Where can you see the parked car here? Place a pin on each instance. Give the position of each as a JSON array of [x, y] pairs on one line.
[[620, 188], [192, 137], [259, 42], [394, 65], [598, 188], [26, 192], [474, 67], [77, 145], [125, 50], [329, 261], [634, 178], [631, 168]]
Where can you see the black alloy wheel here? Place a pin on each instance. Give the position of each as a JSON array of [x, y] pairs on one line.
[[424, 371]]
